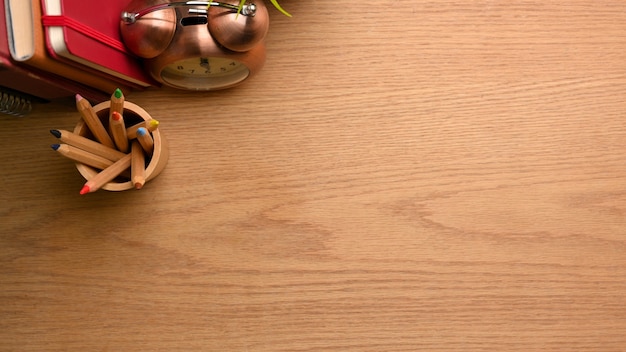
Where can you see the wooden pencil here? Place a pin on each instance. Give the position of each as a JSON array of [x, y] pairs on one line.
[[137, 165], [117, 103], [145, 140], [82, 156], [118, 131], [93, 122], [87, 144], [106, 175], [150, 125]]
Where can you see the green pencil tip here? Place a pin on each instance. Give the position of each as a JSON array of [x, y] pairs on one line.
[[118, 93]]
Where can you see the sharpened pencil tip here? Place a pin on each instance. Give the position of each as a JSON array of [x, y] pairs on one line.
[[56, 133], [55, 146], [78, 97], [138, 185], [84, 190], [118, 93], [142, 131], [116, 116]]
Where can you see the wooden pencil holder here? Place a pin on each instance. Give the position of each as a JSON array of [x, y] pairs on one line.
[[133, 114]]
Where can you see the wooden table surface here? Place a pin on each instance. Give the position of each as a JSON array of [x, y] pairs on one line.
[[401, 176]]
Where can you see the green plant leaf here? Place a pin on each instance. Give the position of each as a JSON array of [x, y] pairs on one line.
[[241, 3], [277, 6]]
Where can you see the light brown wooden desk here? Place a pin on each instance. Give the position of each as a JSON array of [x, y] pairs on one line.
[[401, 176]]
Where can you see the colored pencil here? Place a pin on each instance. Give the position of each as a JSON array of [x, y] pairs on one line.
[[82, 156], [93, 122], [87, 144], [118, 131], [106, 175], [117, 103], [137, 165], [150, 125], [145, 140]]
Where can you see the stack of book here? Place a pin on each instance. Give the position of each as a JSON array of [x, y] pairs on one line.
[[53, 49]]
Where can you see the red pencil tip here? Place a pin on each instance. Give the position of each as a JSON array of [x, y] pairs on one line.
[[85, 190], [138, 185], [116, 116]]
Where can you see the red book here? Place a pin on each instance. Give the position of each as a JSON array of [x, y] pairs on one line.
[[35, 82], [79, 32], [28, 47]]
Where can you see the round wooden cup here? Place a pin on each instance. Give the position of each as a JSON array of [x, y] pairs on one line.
[[133, 114]]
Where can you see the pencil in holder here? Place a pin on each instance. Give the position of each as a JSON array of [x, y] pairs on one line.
[[133, 114]]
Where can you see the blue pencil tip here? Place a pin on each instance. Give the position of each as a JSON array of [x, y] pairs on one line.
[[55, 146]]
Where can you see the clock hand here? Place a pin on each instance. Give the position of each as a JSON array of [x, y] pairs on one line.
[[204, 63]]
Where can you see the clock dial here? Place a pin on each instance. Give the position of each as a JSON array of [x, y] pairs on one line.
[[205, 73]]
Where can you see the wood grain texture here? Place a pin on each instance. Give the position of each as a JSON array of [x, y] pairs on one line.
[[438, 176]]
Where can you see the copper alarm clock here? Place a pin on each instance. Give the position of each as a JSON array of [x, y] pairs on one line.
[[197, 45]]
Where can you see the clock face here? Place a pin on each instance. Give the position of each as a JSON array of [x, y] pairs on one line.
[[204, 73]]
